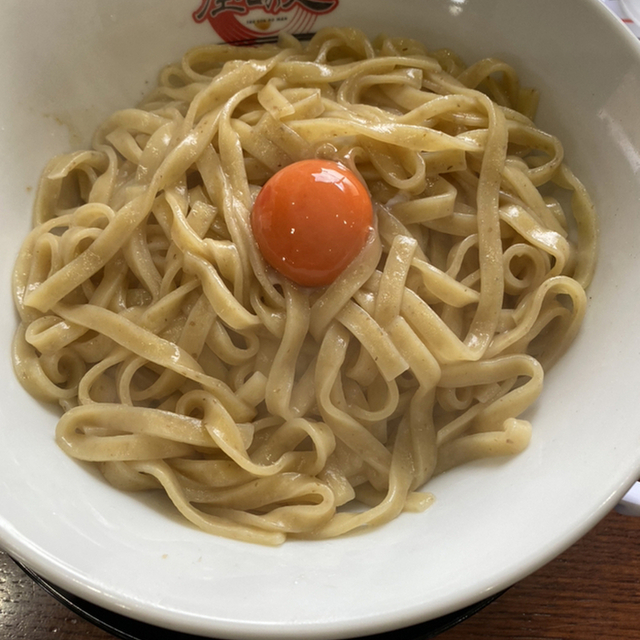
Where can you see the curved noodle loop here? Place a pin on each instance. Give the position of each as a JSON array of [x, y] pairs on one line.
[[262, 409]]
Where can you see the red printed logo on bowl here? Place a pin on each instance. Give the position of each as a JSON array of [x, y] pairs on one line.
[[248, 21]]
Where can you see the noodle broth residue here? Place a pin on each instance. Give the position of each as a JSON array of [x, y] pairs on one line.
[[264, 409]]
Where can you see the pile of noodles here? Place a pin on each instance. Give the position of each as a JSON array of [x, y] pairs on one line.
[[263, 409]]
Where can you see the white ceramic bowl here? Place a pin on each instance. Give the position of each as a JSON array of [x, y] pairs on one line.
[[66, 65]]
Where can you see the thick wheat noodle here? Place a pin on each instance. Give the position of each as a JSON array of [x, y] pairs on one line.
[[262, 409]]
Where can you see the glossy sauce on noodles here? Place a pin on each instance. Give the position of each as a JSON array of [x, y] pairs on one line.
[[184, 362]]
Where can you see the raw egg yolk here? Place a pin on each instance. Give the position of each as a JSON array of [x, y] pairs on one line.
[[311, 219]]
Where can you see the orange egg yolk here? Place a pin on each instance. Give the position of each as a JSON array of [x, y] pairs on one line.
[[311, 219]]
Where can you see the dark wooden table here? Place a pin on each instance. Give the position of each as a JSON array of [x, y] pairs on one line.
[[592, 591]]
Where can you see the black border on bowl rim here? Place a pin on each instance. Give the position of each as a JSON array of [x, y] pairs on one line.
[[126, 628]]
